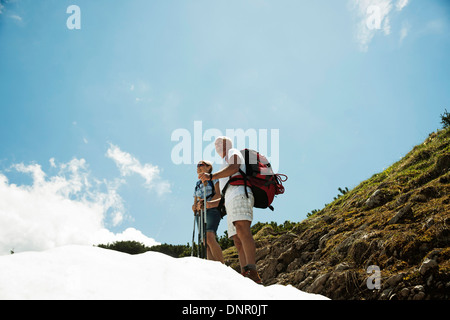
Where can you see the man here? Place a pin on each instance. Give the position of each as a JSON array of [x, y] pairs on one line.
[[239, 207]]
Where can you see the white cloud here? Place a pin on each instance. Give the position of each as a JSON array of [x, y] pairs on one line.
[[68, 208], [52, 162], [404, 32], [374, 16], [5, 9], [401, 4], [128, 165], [16, 17]]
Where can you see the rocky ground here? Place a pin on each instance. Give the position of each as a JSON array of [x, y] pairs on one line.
[[397, 221]]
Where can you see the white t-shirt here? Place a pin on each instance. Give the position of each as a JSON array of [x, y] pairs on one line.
[[233, 191]]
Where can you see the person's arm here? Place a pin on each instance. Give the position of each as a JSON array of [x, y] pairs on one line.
[[216, 199], [194, 206], [229, 170]]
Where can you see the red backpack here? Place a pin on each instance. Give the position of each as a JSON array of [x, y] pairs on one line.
[[260, 178]]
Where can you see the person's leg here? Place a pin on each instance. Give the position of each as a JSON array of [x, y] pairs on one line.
[[214, 248], [241, 253], [212, 223], [240, 215], [245, 236], [242, 220], [248, 247], [209, 254]]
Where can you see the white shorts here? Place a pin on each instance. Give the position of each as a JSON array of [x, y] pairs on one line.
[[238, 209]]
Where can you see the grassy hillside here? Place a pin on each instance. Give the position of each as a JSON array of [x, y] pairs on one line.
[[397, 220]]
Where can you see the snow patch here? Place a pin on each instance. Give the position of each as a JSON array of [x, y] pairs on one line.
[[84, 272]]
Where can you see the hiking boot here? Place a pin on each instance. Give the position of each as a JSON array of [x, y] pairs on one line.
[[253, 275]]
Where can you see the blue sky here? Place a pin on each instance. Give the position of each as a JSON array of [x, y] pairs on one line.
[[348, 100]]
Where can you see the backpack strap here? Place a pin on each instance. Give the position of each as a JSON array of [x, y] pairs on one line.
[[213, 193], [245, 181], [200, 185], [237, 178]]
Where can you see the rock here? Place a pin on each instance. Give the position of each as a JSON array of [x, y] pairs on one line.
[[269, 270], [305, 282], [375, 199], [442, 164], [430, 222], [385, 294], [328, 219], [288, 256], [378, 198], [419, 296], [345, 245], [319, 283], [323, 240], [280, 267], [300, 244], [403, 212], [294, 265], [342, 266], [306, 257], [443, 236], [261, 253], [299, 276], [404, 292], [418, 292], [402, 199], [429, 192], [441, 168], [357, 251], [427, 265], [394, 280], [419, 198], [430, 280], [418, 288], [393, 297]]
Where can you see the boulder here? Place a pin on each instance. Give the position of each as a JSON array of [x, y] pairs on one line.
[[318, 284], [403, 212], [427, 265], [378, 198]]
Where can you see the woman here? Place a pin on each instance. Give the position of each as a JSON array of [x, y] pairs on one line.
[[214, 252]]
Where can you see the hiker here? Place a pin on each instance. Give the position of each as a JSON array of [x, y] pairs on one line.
[[238, 205], [213, 217]]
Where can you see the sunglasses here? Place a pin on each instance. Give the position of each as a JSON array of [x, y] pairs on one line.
[[201, 165]]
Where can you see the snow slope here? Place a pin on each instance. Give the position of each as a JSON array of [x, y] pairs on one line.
[[85, 272]]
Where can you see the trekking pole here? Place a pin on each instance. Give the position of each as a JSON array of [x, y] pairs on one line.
[[200, 235], [200, 240], [204, 220], [193, 236]]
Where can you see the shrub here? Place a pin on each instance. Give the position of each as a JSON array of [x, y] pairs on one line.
[[445, 119], [134, 247]]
